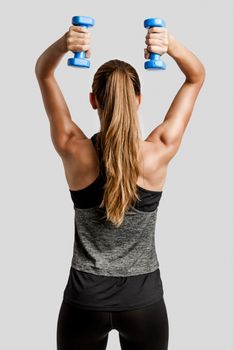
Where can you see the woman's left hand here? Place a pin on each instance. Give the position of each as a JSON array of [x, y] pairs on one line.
[[78, 39]]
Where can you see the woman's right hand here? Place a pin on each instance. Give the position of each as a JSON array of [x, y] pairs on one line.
[[78, 39], [157, 40]]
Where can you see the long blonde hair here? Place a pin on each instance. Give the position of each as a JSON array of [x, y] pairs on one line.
[[115, 86]]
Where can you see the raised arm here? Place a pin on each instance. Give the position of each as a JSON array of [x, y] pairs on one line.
[[62, 127], [171, 130]]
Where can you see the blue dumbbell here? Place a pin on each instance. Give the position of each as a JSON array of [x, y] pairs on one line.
[[79, 60], [155, 61]]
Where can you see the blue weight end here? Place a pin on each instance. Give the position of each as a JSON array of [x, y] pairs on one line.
[[152, 65], [78, 62], [83, 21], [154, 22]]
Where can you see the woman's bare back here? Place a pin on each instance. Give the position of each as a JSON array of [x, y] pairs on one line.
[[82, 166]]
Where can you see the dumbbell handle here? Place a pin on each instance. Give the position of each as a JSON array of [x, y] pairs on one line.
[[80, 54]]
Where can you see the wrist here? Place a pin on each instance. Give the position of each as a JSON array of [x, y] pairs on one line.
[[171, 45], [62, 44]]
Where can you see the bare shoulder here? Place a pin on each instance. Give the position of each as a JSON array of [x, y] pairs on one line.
[[80, 163], [155, 157], [80, 149], [157, 152]]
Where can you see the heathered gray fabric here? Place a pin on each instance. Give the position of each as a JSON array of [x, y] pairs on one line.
[[102, 249]]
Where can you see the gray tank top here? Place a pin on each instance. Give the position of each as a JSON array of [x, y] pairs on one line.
[[102, 249]]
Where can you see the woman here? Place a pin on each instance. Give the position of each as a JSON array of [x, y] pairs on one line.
[[116, 181]]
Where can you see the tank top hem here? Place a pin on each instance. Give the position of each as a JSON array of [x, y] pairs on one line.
[[119, 273], [113, 308]]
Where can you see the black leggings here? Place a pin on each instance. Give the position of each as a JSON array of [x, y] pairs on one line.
[[141, 329]]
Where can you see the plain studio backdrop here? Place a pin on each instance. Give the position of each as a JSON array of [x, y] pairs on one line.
[[194, 227]]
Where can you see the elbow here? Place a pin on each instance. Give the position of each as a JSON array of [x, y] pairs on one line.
[[202, 74], [198, 77], [37, 69], [41, 73]]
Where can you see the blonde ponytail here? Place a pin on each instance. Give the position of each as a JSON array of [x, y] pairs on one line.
[[119, 138]]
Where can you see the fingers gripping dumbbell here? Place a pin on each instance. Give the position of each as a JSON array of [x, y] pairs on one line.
[[79, 60], [155, 61]]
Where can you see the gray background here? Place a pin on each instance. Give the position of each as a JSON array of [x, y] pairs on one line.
[[194, 228]]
